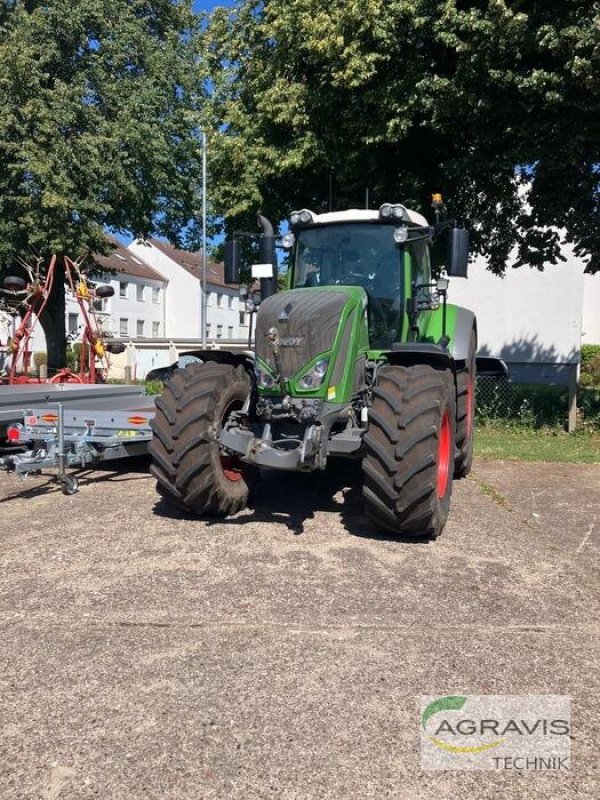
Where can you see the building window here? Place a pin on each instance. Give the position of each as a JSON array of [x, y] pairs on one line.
[[139, 289], [156, 329], [219, 331], [73, 323], [123, 326], [123, 288], [140, 327], [230, 332], [209, 298], [100, 304], [155, 294], [243, 318], [208, 329], [230, 301], [219, 300]]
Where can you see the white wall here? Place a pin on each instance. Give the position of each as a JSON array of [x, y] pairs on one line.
[[591, 309], [527, 315], [134, 310], [223, 314], [184, 299], [116, 308]]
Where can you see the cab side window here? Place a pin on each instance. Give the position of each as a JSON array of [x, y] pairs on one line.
[[421, 268]]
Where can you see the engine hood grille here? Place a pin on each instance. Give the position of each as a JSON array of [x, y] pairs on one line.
[[307, 321]]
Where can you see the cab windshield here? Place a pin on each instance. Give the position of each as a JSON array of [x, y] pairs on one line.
[[357, 254]]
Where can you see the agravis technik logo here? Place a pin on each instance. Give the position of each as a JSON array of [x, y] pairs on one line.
[[502, 732]]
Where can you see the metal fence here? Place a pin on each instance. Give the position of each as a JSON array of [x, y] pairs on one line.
[[495, 396]]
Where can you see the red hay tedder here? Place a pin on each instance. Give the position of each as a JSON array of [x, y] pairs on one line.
[[26, 300]]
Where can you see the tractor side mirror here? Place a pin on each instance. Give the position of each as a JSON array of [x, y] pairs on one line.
[[232, 261], [13, 283], [104, 291], [458, 252]]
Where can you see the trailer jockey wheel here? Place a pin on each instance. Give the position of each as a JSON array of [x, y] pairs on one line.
[[69, 484]]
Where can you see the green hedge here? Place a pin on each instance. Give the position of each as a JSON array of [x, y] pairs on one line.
[[536, 406], [590, 365]]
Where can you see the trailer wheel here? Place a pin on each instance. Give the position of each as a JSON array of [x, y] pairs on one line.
[[409, 444], [191, 471], [465, 413], [70, 484]]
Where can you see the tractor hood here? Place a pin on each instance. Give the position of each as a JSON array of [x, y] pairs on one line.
[[307, 322]]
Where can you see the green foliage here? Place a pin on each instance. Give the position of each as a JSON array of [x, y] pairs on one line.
[[39, 358], [99, 108], [153, 387], [73, 355], [590, 365], [408, 97], [100, 112], [536, 407]]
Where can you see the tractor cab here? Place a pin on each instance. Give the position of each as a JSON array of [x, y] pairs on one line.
[[367, 250]]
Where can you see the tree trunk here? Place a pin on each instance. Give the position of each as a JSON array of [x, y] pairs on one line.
[[52, 320]]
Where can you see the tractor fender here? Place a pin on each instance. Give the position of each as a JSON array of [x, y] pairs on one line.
[[460, 338], [245, 358], [406, 354]]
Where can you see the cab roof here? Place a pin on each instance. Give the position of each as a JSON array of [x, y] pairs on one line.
[[364, 215]]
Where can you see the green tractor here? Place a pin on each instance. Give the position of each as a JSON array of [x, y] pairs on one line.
[[361, 357]]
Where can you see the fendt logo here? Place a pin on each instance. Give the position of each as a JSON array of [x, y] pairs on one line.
[[495, 732]]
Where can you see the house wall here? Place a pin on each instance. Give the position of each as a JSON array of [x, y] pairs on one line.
[[591, 309], [115, 309], [531, 319], [133, 310], [184, 299]]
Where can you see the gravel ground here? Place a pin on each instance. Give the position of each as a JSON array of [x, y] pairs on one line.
[[283, 653]]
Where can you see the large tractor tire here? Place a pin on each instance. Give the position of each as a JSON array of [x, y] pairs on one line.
[[409, 443], [465, 412], [192, 472]]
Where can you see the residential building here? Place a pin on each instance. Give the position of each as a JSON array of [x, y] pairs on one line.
[[226, 315], [137, 307], [535, 320]]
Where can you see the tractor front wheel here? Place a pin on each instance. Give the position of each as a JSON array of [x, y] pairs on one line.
[[409, 443], [192, 472]]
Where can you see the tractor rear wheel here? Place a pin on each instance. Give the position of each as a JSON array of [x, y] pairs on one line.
[[192, 472], [465, 413], [409, 444]]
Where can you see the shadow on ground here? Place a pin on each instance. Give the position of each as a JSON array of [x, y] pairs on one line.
[[294, 498], [137, 469]]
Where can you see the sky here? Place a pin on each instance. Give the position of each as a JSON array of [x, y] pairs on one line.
[[207, 5]]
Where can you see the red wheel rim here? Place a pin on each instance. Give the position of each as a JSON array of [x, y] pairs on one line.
[[444, 442], [469, 405], [232, 468]]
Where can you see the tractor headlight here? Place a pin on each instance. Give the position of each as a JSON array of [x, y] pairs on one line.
[[264, 378], [400, 234], [393, 212], [302, 217], [313, 378]]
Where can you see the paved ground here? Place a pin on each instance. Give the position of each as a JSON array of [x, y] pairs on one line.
[[283, 653]]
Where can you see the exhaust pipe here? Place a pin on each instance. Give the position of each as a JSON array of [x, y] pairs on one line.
[[268, 286]]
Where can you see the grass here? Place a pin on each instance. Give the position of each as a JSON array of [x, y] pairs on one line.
[[497, 440]]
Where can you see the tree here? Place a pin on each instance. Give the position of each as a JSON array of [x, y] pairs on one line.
[[495, 104], [100, 107]]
